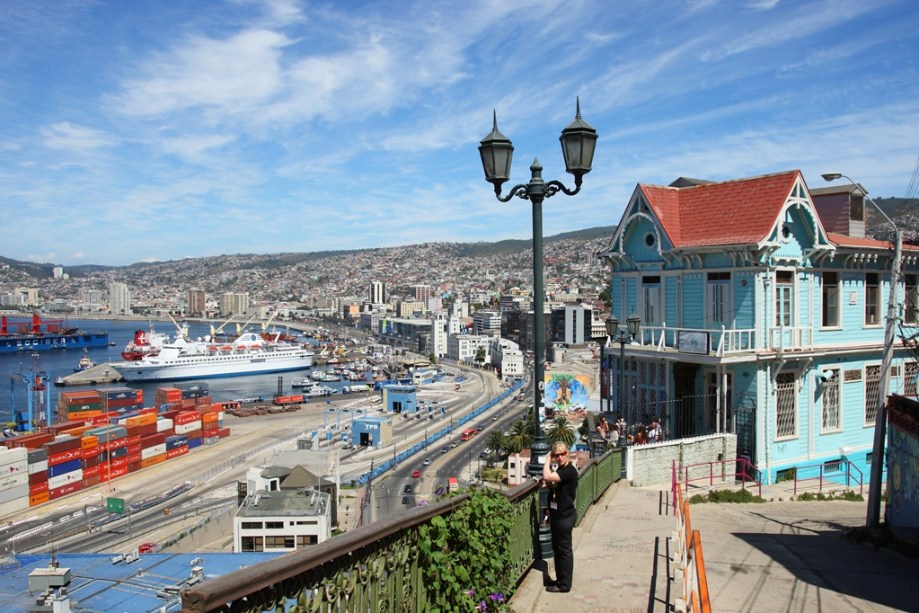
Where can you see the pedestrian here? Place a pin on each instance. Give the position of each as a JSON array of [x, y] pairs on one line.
[[603, 428], [562, 478], [614, 436], [654, 432]]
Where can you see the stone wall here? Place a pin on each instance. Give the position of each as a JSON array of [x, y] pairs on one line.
[[652, 464]]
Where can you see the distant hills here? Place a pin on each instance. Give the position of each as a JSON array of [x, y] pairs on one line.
[[281, 260]]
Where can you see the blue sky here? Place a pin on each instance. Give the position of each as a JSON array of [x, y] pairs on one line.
[[141, 130]]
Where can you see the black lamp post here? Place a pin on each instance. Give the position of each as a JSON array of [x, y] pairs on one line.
[[578, 141], [633, 324]]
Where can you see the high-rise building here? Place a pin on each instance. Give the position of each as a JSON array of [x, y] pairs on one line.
[[196, 302], [421, 293], [377, 292], [119, 299], [234, 303]]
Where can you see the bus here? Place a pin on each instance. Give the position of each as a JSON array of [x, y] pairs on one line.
[[452, 484], [468, 433]]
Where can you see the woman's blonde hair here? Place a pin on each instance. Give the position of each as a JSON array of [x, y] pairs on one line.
[[559, 446]]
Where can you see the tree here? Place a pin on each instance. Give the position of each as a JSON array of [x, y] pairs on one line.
[[559, 429], [498, 443], [520, 437], [606, 297], [480, 355]]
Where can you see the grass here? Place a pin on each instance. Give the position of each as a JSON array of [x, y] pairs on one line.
[[742, 495]]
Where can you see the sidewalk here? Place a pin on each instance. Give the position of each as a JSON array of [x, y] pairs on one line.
[[774, 556]]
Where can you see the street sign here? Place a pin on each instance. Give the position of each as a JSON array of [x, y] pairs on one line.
[[114, 505]]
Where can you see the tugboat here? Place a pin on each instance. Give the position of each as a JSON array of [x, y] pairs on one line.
[[85, 363]]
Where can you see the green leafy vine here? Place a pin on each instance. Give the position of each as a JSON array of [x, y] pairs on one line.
[[465, 554]]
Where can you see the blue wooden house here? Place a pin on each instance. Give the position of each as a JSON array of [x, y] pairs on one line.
[[762, 308]]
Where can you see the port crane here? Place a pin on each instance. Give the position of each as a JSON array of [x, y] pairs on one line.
[[37, 382]]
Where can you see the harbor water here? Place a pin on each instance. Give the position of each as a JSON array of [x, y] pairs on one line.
[[60, 363]]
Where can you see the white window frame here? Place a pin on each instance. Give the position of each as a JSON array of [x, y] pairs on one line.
[[872, 397], [782, 394], [837, 306], [780, 289], [724, 287], [877, 300], [651, 300]]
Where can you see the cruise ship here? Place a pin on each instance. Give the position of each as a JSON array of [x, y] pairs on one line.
[[182, 359]]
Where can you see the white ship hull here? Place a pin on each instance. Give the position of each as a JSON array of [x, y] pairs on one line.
[[205, 360]]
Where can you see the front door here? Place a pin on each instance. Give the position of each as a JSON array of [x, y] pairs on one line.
[[685, 399]]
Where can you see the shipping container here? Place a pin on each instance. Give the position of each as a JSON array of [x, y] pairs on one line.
[[224, 432], [176, 441], [162, 425], [58, 482], [8, 482], [38, 498], [39, 477], [176, 452], [20, 492], [91, 481], [194, 442], [55, 470], [29, 441], [70, 488], [92, 471], [153, 460], [14, 506], [211, 440], [19, 455], [38, 488], [62, 457], [153, 451]]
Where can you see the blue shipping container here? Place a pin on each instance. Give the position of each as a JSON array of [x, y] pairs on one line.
[[64, 467]]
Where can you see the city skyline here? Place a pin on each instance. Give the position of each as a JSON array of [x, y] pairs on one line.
[[161, 131]]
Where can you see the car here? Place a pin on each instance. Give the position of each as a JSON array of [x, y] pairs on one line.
[[407, 489], [444, 449], [416, 473], [453, 444], [480, 427], [427, 462], [147, 548], [405, 499]]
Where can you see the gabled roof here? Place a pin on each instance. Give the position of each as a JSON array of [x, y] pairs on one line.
[[741, 211]]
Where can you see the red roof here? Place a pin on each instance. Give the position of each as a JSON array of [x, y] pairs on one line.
[[742, 211]]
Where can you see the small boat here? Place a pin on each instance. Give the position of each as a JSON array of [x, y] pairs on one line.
[[85, 362]]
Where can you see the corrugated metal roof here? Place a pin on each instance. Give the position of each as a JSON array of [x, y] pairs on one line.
[[99, 585]]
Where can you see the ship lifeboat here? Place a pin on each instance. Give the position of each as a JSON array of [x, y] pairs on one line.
[[226, 348]]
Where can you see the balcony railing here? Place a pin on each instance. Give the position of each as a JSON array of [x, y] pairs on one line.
[[789, 338], [724, 341], [376, 567]]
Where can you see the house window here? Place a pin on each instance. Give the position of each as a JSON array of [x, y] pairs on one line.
[[274, 525], [786, 423], [856, 207], [784, 297], [911, 302], [833, 466], [251, 543], [830, 399], [830, 300], [719, 297], [251, 525], [872, 297], [910, 372], [651, 299], [872, 392], [788, 474]]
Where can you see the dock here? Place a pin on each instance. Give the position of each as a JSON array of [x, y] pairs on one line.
[[95, 375]]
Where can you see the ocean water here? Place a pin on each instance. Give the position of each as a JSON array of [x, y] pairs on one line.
[[60, 363]]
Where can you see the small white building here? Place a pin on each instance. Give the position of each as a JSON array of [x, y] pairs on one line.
[[282, 520]]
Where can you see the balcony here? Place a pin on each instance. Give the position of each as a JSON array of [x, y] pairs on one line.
[[389, 566], [724, 341]]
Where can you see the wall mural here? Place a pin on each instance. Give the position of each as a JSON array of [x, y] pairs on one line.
[[566, 391]]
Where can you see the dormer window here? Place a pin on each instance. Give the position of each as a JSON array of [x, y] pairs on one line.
[[856, 207]]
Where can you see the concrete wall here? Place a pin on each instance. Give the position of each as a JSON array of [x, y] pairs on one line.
[[652, 464], [206, 533]]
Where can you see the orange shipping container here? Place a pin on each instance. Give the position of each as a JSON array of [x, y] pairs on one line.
[[153, 460], [39, 498], [88, 442]]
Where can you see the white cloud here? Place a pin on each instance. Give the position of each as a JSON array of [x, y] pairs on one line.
[[65, 135]]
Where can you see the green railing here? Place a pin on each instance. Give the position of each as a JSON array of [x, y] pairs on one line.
[[376, 567]]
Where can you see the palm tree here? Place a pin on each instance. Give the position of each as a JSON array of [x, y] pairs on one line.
[[560, 430], [497, 442], [520, 436]]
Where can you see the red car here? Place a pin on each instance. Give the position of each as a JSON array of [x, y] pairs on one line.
[[416, 473], [147, 548]]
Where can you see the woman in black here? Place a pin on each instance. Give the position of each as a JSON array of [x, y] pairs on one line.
[[562, 477]]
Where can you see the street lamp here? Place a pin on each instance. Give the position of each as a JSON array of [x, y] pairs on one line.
[[873, 518], [578, 142], [633, 323]]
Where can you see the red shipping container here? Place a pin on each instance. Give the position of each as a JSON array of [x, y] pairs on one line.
[[132, 449], [116, 443], [64, 444], [153, 440], [104, 474], [116, 463], [38, 488], [70, 488], [64, 456], [29, 441], [174, 453], [93, 460], [90, 481], [133, 458], [39, 477], [133, 439], [91, 471], [133, 467], [223, 432]]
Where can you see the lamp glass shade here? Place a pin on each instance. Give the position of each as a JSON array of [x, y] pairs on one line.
[[496, 151], [634, 324], [612, 324], [579, 140]]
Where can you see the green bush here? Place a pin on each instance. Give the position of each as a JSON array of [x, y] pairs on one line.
[[741, 495]]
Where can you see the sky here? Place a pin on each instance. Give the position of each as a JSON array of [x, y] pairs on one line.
[[161, 130]]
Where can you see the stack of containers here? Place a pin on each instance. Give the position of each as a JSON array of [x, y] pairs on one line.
[[167, 398], [120, 400], [92, 457], [113, 443], [65, 466], [176, 445], [188, 424], [14, 480], [210, 424], [79, 406], [38, 476]]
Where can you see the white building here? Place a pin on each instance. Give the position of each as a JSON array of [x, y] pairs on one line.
[[508, 357], [232, 303], [119, 299], [463, 347], [284, 509]]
